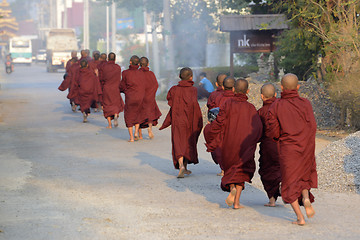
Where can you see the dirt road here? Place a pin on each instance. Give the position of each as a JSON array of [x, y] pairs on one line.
[[63, 179]]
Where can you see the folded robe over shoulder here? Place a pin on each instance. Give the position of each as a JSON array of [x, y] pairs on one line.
[[241, 128], [269, 166], [291, 121], [150, 108], [186, 121], [132, 84]]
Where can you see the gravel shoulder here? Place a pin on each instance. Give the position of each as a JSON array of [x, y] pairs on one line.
[[62, 179]]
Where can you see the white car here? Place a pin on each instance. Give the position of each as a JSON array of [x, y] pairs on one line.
[[41, 55]]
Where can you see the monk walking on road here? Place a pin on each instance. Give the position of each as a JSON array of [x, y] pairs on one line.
[[269, 166], [291, 121], [186, 122], [110, 74], [239, 127], [133, 86], [150, 107]]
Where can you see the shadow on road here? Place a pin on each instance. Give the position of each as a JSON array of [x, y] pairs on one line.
[[204, 181]]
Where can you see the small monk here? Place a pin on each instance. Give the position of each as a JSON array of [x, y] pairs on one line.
[[269, 166], [94, 64], [113, 104], [239, 128], [150, 107], [88, 88], [132, 85], [227, 85], [186, 122], [71, 61], [291, 121]]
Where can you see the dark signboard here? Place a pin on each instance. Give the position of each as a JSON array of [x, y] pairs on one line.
[[252, 41]]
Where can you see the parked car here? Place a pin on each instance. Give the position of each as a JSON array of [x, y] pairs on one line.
[[41, 55]]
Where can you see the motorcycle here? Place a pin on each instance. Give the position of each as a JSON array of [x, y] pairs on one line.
[[9, 67]]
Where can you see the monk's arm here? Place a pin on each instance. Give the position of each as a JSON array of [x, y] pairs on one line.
[[214, 130], [272, 125]]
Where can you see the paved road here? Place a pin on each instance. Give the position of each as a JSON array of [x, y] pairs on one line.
[[62, 179]]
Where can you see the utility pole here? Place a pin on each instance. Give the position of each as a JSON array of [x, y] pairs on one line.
[[113, 27], [155, 46], [169, 49], [146, 32], [86, 25], [107, 27], [65, 16]]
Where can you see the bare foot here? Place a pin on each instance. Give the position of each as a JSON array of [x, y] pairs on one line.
[[151, 135], [131, 140], [136, 138], [188, 172], [231, 198], [181, 172], [270, 205], [238, 206], [221, 173], [299, 222], [310, 212], [109, 126], [116, 121]]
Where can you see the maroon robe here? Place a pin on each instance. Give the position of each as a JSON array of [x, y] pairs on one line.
[[132, 84], [186, 121], [241, 129], [70, 62], [87, 87], [221, 97], [70, 83], [269, 166], [214, 98], [291, 121], [112, 100], [150, 108]]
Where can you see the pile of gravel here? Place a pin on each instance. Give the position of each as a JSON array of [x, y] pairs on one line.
[[338, 165]]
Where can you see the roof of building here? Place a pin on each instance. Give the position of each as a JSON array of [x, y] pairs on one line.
[[230, 23]]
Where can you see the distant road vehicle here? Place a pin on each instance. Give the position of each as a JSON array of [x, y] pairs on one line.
[[59, 44], [20, 50], [41, 55]]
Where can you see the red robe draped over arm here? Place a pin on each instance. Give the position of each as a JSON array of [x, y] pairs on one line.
[[186, 121], [291, 121]]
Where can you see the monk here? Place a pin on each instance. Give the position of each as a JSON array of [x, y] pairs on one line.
[[113, 104], [150, 107], [88, 88], [186, 122], [94, 64], [227, 86], [214, 98], [291, 121], [71, 61], [132, 86], [240, 128], [269, 155]]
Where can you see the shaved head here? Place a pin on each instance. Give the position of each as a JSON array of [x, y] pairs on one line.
[[103, 57], [73, 54], [268, 90], [289, 81], [112, 56], [96, 55], [220, 79], [241, 86], [185, 73], [83, 53], [144, 62], [229, 83], [83, 63], [134, 60]]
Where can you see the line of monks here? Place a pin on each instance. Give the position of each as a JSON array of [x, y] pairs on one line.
[[285, 128], [98, 82]]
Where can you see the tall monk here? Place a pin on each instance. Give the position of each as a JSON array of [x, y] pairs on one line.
[[291, 121], [227, 86], [214, 98], [133, 86], [186, 122], [150, 107], [88, 88], [113, 104], [240, 128], [269, 155]]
